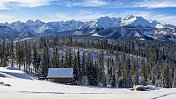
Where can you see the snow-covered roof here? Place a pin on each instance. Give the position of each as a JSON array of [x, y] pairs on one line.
[[60, 73]]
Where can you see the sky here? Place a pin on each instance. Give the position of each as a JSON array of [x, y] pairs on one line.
[[163, 11]]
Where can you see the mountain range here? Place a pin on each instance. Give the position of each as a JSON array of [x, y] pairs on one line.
[[130, 27]]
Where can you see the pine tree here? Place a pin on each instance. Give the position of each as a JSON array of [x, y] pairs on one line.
[[19, 54], [113, 82], [4, 53], [45, 63], [35, 58], [75, 72], [165, 75], [101, 66], [92, 71], [55, 58], [66, 60], [79, 67], [69, 58], [135, 72], [12, 54], [83, 64], [127, 74], [127, 69], [143, 79]]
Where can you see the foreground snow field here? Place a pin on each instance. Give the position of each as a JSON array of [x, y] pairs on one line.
[[23, 86]]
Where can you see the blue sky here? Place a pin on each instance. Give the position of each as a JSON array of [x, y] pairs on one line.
[[163, 11]]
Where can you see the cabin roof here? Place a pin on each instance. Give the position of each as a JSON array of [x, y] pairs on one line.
[[60, 73]]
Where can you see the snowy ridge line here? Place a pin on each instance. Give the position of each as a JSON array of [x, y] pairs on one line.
[[38, 27]]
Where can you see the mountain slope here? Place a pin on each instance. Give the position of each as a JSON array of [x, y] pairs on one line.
[[133, 25]]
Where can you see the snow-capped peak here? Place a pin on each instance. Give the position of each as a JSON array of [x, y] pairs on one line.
[[129, 17], [132, 20], [38, 22], [105, 22], [30, 23]]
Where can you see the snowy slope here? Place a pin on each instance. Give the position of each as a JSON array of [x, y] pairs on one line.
[[35, 89]]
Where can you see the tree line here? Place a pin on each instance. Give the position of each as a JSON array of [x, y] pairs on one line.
[[152, 62]]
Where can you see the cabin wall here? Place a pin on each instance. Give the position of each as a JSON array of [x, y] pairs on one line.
[[61, 80]]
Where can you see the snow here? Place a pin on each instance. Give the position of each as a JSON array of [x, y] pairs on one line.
[[60, 73], [137, 34], [95, 34], [135, 21], [105, 22], [34, 89], [156, 24], [159, 26], [172, 39]]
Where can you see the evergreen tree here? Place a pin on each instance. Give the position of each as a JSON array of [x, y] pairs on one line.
[[92, 71], [55, 58], [113, 82], [101, 66], [135, 72], [83, 64], [45, 63], [165, 75], [75, 69], [35, 58], [69, 58], [79, 67]]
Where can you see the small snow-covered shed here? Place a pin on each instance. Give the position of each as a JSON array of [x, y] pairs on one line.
[[61, 75]]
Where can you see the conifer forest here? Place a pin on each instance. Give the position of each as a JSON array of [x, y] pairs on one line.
[[95, 61]]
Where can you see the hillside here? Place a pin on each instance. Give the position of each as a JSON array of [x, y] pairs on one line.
[[27, 88]]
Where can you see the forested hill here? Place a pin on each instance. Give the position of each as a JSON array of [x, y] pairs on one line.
[[96, 61]]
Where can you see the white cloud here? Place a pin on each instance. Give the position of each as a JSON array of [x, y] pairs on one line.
[[163, 18], [6, 18], [88, 3], [122, 3], [90, 16], [5, 4], [155, 3]]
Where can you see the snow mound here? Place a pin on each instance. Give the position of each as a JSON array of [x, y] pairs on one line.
[[143, 88], [150, 87]]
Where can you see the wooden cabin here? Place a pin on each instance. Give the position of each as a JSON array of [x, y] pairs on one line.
[[60, 75]]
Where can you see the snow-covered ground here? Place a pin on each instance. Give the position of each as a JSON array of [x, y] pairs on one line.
[[23, 86]]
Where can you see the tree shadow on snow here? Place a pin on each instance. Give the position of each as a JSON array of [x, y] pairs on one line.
[[163, 95], [18, 75], [38, 92], [12, 68]]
